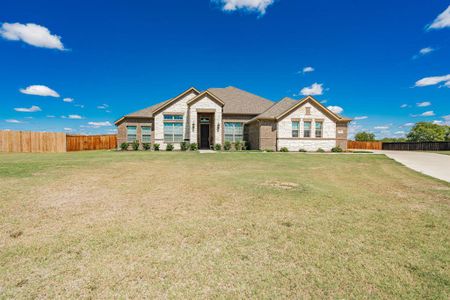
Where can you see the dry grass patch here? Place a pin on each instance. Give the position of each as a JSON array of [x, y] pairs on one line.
[[184, 225]]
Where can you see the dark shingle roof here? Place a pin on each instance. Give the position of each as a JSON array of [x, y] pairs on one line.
[[278, 108], [238, 101]]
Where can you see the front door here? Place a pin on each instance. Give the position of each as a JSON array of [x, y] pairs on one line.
[[204, 136]]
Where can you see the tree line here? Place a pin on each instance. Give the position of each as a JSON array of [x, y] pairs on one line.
[[420, 132]]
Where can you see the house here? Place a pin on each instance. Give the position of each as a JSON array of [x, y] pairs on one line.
[[230, 114]]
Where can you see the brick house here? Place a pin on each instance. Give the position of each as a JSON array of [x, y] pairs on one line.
[[230, 114]]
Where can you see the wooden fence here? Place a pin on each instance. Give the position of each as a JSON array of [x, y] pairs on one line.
[[417, 146], [29, 141], [364, 145], [90, 142]]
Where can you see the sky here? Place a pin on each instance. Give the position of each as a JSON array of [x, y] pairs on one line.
[[77, 66]]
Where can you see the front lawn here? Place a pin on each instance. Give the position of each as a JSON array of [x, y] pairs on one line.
[[223, 225]]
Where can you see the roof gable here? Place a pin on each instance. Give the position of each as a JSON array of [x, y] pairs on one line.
[[177, 98], [203, 95], [314, 102]]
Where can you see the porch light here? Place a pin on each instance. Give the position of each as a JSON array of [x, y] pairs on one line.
[[218, 127], [193, 126]]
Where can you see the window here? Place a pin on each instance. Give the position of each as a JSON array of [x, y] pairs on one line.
[[173, 117], [234, 132], [173, 132], [131, 133], [319, 126], [308, 110], [295, 128], [173, 128], [146, 134], [307, 129]]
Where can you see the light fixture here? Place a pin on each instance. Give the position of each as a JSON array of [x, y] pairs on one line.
[[218, 127], [193, 126]]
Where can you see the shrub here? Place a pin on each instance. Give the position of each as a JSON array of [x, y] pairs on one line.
[[302, 150], [193, 147], [336, 149], [238, 145], [146, 146], [284, 149], [124, 146], [320, 150], [169, 147], [269, 150], [184, 146], [156, 147], [135, 145], [217, 147], [227, 146]]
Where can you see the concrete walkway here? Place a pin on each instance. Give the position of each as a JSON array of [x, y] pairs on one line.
[[432, 164]]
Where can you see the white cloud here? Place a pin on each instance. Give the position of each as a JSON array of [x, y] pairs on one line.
[[324, 101], [447, 120], [360, 118], [427, 114], [442, 21], [103, 106], [307, 69], [404, 106], [99, 124], [381, 127], [73, 117], [259, 6], [68, 129], [315, 89], [438, 122], [13, 121], [408, 125], [68, 100], [423, 52], [424, 104], [32, 34], [33, 108], [335, 109], [399, 132], [50, 116], [433, 80], [79, 105], [39, 90]]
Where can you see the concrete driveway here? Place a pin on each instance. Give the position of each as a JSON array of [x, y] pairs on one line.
[[432, 164]]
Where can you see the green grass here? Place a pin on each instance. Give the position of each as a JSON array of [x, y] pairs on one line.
[[224, 225]]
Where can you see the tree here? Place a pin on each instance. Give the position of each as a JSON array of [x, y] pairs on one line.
[[364, 136], [428, 132]]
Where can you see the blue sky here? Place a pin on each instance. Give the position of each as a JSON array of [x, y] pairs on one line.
[[368, 58]]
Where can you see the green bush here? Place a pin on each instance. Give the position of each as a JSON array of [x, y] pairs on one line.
[[156, 147], [169, 147], [284, 149], [146, 146], [302, 150], [135, 145], [269, 150], [320, 150], [337, 149], [227, 146], [193, 147], [184, 146], [124, 146], [238, 146], [217, 147]]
